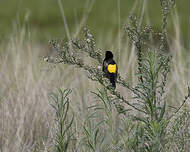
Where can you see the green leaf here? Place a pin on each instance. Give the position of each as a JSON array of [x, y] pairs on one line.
[[162, 111]]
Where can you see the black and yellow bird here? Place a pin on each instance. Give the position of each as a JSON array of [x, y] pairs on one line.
[[109, 67]]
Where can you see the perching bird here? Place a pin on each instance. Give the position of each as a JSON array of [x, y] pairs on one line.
[[109, 67]]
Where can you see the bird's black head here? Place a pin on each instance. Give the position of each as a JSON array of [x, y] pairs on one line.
[[109, 55]]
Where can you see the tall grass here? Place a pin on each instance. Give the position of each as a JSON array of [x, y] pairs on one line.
[[27, 121]]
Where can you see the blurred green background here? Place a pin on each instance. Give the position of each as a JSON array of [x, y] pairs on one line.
[[44, 19]]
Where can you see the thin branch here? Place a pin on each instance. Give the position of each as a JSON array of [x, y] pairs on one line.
[[184, 101]]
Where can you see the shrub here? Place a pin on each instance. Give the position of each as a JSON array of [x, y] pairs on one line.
[[149, 125]]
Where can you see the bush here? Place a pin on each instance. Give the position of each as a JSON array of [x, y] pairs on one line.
[[149, 124]]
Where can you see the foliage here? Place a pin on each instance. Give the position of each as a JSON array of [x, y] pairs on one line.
[[60, 103], [152, 127]]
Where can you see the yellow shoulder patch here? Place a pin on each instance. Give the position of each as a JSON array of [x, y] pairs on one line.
[[112, 68]]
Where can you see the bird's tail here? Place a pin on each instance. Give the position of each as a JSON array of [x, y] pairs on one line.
[[113, 81]]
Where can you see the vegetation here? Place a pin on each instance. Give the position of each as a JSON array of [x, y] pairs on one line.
[[48, 20], [137, 116]]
